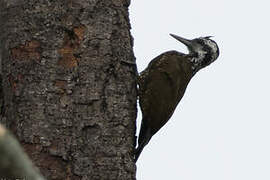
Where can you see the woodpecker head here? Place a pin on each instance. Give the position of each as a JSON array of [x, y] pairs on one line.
[[203, 50]]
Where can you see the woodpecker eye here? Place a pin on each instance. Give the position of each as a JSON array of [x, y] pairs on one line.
[[200, 41]]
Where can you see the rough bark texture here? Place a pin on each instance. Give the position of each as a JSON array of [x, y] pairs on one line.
[[69, 85]]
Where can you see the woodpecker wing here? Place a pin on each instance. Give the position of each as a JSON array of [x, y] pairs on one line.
[[162, 85]]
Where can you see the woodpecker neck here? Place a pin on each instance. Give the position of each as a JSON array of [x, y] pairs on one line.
[[197, 60]]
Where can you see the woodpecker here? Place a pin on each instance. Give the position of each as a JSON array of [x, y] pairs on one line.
[[163, 83]]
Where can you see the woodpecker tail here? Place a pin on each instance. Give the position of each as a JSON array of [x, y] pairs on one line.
[[144, 138]]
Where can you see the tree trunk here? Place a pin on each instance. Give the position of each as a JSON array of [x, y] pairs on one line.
[[69, 86]]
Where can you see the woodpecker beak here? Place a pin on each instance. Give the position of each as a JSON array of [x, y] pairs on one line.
[[185, 41]]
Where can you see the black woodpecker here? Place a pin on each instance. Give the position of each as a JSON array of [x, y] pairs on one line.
[[163, 83]]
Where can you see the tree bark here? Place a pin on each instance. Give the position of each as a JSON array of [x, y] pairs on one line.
[[69, 87]]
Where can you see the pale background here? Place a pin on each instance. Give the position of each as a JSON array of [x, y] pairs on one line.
[[221, 128]]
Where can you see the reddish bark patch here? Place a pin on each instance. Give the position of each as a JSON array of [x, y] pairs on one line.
[[68, 60], [71, 43], [30, 51], [61, 85], [14, 81], [79, 31]]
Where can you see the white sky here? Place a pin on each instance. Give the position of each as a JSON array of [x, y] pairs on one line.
[[221, 128]]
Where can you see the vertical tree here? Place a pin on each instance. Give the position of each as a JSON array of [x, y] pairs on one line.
[[69, 89]]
